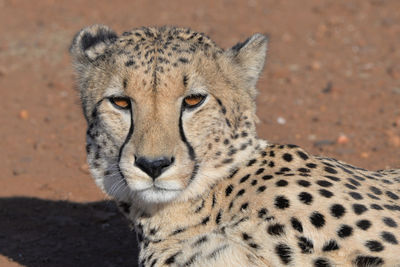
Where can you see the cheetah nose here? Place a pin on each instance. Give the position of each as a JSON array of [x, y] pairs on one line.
[[153, 167]]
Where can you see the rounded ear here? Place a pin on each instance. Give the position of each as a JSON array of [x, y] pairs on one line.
[[249, 56], [91, 42]]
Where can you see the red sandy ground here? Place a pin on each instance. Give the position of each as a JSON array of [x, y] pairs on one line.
[[331, 85]]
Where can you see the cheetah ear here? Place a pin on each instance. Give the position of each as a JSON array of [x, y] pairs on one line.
[[91, 42], [250, 56]]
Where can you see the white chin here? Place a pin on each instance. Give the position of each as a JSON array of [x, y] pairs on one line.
[[158, 195]]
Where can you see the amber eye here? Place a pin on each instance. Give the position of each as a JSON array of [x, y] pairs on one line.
[[193, 101], [120, 102]]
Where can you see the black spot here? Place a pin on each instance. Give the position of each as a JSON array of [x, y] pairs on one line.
[[284, 169], [183, 60], [333, 178], [233, 173], [246, 237], [337, 210], [171, 259], [356, 195], [200, 241], [259, 171], [254, 182], [376, 207], [244, 206], [389, 222], [392, 195], [296, 224], [291, 146], [354, 182], [325, 193], [317, 219], [324, 183], [389, 237], [267, 177], [281, 183], [303, 183], [368, 261], [288, 157], [359, 209], [261, 189], [373, 196], [281, 202], [153, 231], [303, 155], [330, 170], [374, 246], [306, 245], [205, 220], [254, 245], [240, 192], [129, 63], [228, 190], [363, 224], [185, 80], [306, 198], [199, 208], [125, 83], [179, 230], [321, 262], [345, 231], [251, 162], [284, 252], [375, 190], [359, 178], [330, 246], [226, 161], [349, 186], [311, 165], [244, 178], [303, 170], [271, 164], [276, 229], [262, 212], [392, 207], [218, 217]]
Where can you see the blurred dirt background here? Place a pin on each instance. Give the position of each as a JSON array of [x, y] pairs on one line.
[[331, 85]]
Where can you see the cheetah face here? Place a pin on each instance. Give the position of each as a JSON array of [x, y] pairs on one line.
[[168, 111]]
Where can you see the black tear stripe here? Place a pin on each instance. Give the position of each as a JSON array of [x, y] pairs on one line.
[[192, 154], [128, 137]]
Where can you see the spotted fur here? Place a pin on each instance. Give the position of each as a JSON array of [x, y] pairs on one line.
[[223, 197]]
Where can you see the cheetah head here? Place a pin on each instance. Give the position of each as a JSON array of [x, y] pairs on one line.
[[168, 112]]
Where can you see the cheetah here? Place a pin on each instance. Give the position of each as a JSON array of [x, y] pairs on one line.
[[171, 137]]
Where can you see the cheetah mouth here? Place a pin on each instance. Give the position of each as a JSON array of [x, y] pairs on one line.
[[161, 189], [157, 194]]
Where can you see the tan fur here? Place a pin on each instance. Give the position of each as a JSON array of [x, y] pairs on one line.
[[228, 198]]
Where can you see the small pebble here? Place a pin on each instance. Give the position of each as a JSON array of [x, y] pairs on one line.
[[84, 168], [23, 114], [342, 139], [281, 120], [315, 65], [364, 155]]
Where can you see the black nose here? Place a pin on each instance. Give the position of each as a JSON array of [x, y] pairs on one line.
[[153, 167]]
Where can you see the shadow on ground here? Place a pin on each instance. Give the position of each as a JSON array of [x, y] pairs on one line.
[[37, 232]]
